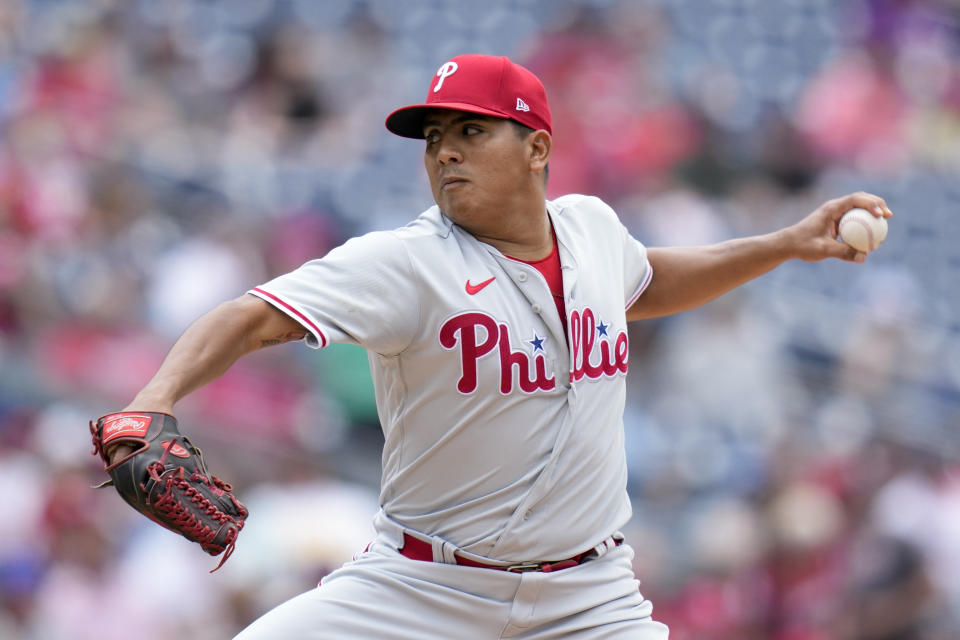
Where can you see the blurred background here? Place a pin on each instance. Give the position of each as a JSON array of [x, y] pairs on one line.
[[793, 446]]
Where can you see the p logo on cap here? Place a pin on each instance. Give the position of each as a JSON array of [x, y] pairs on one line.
[[448, 69], [485, 85]]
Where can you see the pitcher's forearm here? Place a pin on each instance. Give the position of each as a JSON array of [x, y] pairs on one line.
[[687, 277], [203, 353], [210, 346]]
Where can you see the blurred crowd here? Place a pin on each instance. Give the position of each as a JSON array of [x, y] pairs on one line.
[[793, 446]]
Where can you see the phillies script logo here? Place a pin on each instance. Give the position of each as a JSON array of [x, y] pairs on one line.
[[478, 334], [595, 353], [584, 333]]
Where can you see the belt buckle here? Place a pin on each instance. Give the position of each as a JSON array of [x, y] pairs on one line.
[[523, 566]]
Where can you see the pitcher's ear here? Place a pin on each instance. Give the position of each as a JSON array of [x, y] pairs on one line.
[[540, 144]]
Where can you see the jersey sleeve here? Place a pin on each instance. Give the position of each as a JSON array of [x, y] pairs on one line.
[[637, 270], [362, 292], [632, 256]]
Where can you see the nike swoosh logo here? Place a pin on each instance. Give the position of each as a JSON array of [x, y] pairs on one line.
[[474, 288]]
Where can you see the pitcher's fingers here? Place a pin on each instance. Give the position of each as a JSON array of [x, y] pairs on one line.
[[862, 200]]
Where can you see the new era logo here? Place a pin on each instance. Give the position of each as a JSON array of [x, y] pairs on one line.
[[522, 106]]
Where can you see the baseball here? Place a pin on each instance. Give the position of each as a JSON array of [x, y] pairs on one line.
[[862, 230]]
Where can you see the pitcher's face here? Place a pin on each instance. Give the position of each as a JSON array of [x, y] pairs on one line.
[[476, 164]]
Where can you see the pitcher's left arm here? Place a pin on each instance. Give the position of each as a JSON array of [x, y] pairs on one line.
[[687, 277]]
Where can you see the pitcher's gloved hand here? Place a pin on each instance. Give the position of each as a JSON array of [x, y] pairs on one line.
[[163, 477]]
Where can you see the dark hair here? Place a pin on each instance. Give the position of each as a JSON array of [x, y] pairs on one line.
[[523, 131]]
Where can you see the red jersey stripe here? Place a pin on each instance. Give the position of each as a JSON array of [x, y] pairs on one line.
[[297, 314]]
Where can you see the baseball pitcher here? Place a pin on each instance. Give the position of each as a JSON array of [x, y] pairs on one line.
[[496, 327]]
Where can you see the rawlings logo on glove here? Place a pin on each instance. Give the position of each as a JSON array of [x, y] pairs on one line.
[[165, 479], [118, 425]]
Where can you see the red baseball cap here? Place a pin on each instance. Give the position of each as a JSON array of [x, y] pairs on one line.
[[488, 85]]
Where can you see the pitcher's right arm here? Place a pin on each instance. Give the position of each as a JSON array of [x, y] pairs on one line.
[[210, 346]]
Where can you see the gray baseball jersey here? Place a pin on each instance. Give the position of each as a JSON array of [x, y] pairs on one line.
[[503, 435]]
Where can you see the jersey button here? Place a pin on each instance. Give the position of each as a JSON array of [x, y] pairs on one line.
[[526, 514], [522, 277], [537, 308]]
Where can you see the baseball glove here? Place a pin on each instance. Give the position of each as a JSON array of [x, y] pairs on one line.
[[165, 479]]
